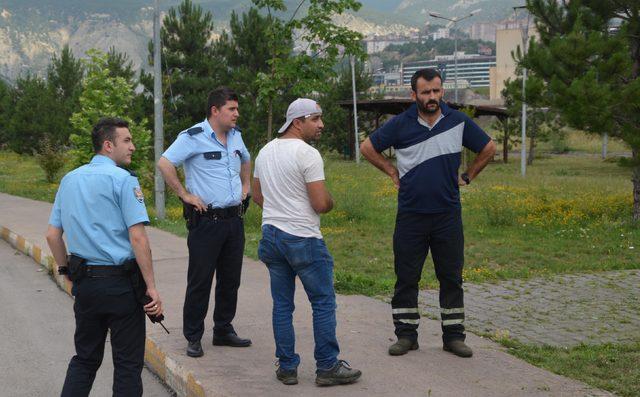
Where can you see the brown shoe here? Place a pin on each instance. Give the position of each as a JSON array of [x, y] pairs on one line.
[[457, 347], [402, 346]]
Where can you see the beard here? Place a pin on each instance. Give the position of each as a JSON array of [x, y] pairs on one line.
[[423, 107]]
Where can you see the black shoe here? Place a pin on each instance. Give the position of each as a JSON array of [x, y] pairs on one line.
[[457, 347], [194, 349], [230, 340], [402, 346], [287, 376], [340, 374]]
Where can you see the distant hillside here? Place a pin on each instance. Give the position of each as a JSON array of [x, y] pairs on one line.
[[31, 31]]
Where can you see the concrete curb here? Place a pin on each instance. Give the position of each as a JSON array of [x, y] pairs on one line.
[[172, 374]]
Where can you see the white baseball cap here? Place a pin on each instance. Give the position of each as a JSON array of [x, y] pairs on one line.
[[301, 107]]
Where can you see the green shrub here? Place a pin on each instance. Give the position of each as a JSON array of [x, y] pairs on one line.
[[50, 159]]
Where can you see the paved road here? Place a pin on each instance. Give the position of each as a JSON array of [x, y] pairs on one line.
[[36, 334]]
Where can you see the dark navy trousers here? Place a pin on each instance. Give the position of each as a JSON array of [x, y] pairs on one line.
[[414, 235], [102, 304], [215, 246]]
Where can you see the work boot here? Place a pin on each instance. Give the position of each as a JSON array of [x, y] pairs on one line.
[[231, 339], [339, 374], [402, 346], [287, 376], [457, 347], [194, 349]]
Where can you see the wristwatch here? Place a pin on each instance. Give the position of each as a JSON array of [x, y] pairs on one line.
[[63, 270], [465, 177]]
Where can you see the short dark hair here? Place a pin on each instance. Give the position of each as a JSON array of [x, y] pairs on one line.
[[219, 98], [427, 74], [105, 130]]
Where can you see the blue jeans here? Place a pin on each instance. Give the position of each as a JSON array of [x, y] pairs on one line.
[[286, 256]]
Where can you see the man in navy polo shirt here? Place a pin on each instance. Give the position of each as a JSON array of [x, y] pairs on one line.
[[428, 140], [217, 171]]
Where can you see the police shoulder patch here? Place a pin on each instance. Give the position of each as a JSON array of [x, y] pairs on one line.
[[194, 131], [137, 192]]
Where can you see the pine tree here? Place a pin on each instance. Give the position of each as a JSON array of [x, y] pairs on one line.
[[592, 69], [245, 49], [33, 116], [6, 107], [64, 78], [190, 66], [120, 65]]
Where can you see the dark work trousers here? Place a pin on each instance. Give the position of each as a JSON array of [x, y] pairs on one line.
[[215, 246], [105, 304], [415, 233]]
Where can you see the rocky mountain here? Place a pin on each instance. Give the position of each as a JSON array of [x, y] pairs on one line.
[[31, 31]]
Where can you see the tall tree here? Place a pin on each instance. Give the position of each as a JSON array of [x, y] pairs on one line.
[[64, 77], [321, 42], [245, 49], [542, 121], [31, 117], [190, 65], [120, 65], [6, 106], [591, 69], [105, 96]]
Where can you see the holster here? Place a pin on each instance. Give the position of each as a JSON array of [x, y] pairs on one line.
[[190, 216], [137, 281], [77, 268]]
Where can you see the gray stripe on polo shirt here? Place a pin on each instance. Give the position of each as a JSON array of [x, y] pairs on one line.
[[447, 142]]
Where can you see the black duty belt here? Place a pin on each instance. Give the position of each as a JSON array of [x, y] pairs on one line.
[[221, 213], [105, 271]]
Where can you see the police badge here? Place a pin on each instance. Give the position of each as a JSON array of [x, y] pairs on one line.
[[138, 193]]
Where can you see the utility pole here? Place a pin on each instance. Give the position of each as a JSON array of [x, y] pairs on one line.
[[453, 23], [158, 130], [355, 109]]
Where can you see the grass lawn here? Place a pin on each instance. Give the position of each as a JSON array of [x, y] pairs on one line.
[[612, 367]]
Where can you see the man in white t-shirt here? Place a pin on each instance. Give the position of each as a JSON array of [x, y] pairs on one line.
[[289, 186]]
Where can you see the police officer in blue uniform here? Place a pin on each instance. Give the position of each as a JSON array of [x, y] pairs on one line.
[[217, 170], [100, 208]]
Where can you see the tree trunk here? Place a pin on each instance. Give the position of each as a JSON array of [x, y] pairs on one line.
[[270, 121], [532, 146], [636, 184], [635, 74], [505, 146]]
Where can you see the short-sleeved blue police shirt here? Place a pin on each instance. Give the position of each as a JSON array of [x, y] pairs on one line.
[[428, 159], [212, 170], [95, 206]]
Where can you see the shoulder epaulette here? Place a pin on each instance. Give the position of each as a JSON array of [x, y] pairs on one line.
[[129, 171], [194, 131]]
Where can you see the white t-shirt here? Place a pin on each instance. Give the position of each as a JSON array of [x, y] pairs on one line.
[[284, 167]]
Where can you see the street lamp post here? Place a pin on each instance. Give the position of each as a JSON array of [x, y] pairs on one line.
[[525, 40], [453, 22]]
